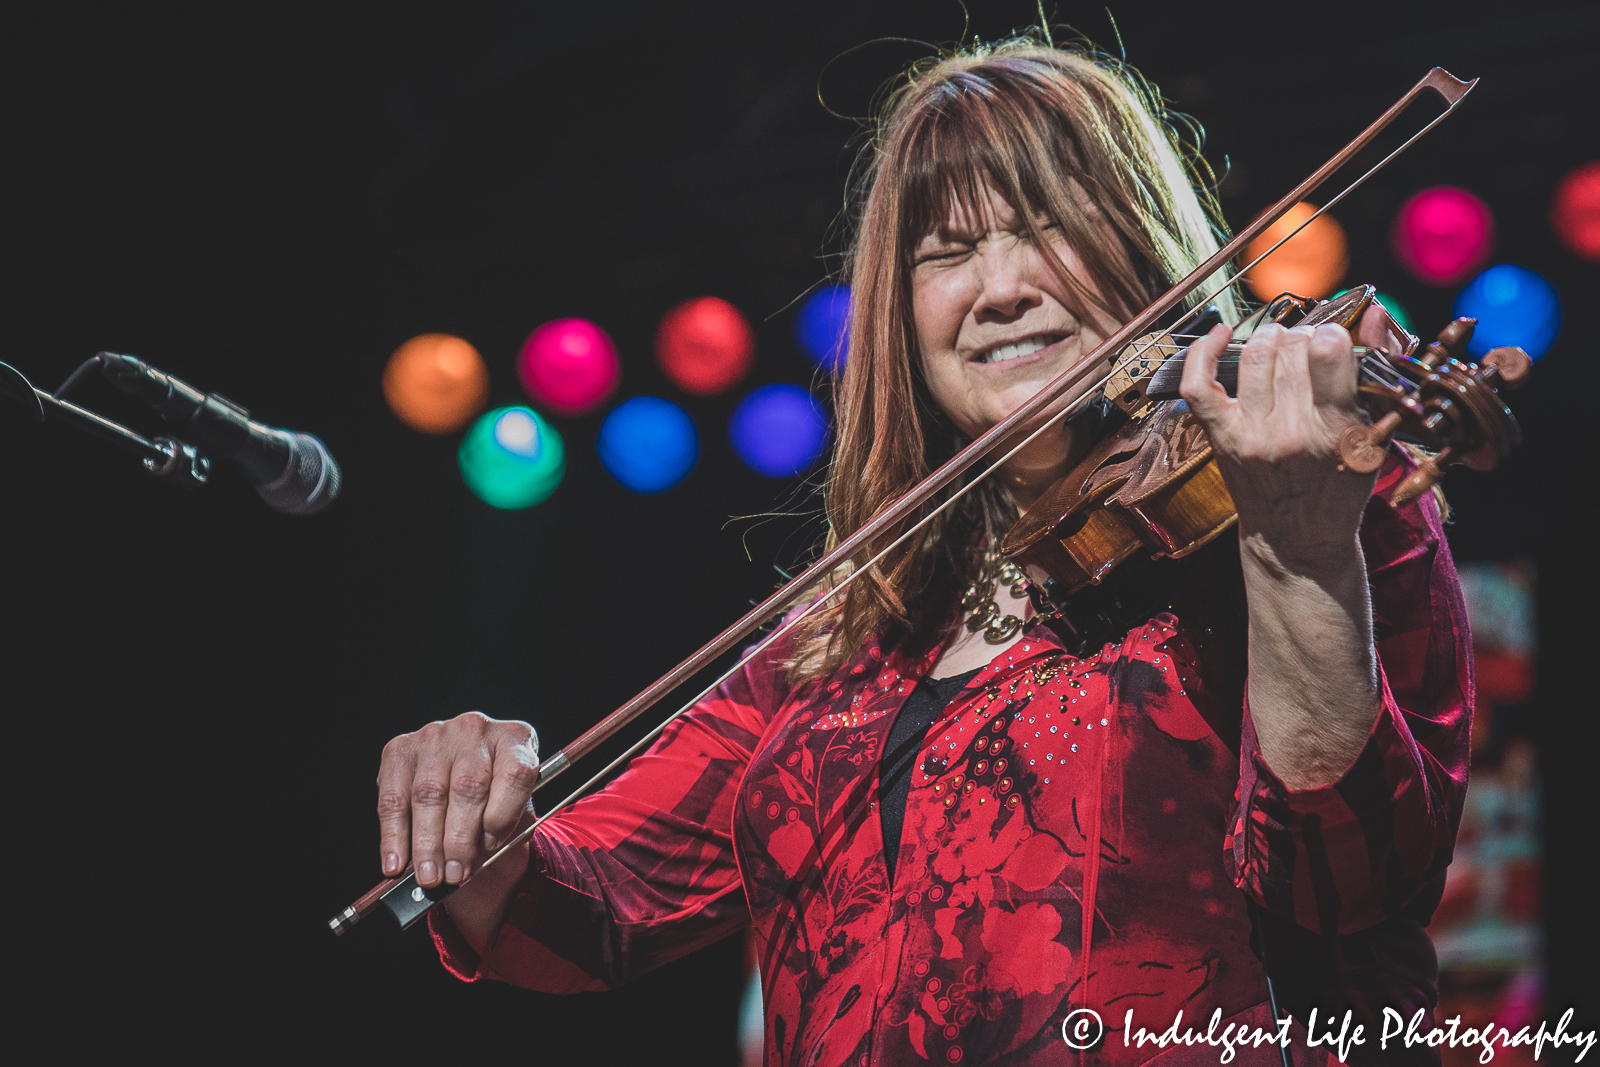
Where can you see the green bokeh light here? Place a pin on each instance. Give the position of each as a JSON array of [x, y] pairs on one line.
[[512, 459], [1400, 314]]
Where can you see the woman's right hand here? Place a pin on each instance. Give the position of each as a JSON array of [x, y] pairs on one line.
[[453, 792]]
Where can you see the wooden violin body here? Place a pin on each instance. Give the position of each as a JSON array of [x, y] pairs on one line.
[[1153, 486]]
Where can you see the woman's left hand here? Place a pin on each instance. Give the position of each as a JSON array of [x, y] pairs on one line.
[[1277, 441]]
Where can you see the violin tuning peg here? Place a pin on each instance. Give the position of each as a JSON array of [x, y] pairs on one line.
[[1505, 366], [1362, 448], [1424, 478], [1429, 473], [1456, 335], [1452, 343]]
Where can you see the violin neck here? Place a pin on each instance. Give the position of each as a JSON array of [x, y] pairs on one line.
[[1166, 379]]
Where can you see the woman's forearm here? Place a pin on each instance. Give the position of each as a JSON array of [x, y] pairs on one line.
[[1313, 686]]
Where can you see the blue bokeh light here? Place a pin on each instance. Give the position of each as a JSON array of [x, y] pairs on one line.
[[648, 444], [823, 326], [778, 430], [1513, 306]]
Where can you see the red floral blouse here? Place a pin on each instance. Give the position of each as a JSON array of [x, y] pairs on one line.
[[1051, 790]]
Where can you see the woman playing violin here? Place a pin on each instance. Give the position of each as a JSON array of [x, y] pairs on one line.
[[949, 836]]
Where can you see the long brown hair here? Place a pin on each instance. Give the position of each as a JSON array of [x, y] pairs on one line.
[[1065, 133]]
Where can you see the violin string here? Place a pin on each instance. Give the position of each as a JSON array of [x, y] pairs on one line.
[[1235, 355], [1230, 355], [1071, 408]]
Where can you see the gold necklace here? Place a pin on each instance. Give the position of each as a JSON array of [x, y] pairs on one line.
[[979, 600]]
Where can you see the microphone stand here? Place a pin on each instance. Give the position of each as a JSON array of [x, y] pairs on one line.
[[165, 457]]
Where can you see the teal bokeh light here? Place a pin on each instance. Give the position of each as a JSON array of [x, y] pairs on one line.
[[511, 458], [1398, 313]]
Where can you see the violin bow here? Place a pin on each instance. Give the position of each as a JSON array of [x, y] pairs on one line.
[[408, 901]]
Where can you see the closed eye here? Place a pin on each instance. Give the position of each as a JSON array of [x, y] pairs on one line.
[[937, 255]]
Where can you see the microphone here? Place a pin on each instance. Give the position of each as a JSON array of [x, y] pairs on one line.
[[293, 472]]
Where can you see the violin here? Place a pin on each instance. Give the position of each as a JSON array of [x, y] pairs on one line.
[[1433, 398], [1154, 486]]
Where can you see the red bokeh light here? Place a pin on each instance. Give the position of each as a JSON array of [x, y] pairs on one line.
[[1443, 234], [1575, 210], [705, 345]]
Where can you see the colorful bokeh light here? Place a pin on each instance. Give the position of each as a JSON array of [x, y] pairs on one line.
[[705, 345], [1397, 310], [778, 430], [648, 444], [436, 383], [1442, 234], [568, 366], [823, 326], [512, 458], [1390, 304], [1311, 263], [1575, 210], [1513, 306]]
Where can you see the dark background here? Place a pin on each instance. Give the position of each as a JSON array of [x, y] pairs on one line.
[[267, 200]]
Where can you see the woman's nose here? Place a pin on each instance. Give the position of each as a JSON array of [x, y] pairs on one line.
[[1006, 289]]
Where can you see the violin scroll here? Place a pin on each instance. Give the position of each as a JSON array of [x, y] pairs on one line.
[[1448, 407]]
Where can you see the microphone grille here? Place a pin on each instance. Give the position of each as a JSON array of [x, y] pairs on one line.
[[310, 481]]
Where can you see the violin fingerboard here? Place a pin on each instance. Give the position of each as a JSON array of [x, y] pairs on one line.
[[1164, 383]]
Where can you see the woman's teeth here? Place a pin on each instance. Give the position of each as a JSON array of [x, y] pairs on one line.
[[1021, 348]]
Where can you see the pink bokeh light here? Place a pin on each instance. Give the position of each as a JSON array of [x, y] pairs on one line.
[[569, 366], [1443, 234]]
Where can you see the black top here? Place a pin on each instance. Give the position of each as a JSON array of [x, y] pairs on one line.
[[927, 700]]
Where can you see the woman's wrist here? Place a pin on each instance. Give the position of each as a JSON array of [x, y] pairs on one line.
[[1301, 556], [479, 907]]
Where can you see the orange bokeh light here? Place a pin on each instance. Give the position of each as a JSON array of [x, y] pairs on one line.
[[1312, 263], [436, 383]]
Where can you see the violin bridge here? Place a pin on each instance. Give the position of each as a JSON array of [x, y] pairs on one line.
[[1133, 370]]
